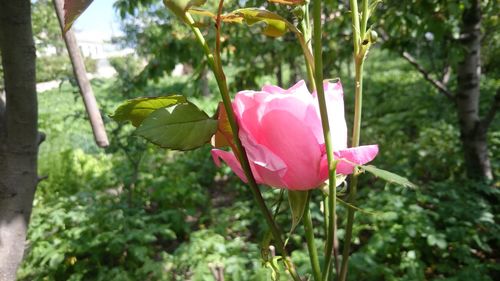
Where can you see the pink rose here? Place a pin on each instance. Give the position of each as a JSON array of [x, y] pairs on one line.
[[282, 134]]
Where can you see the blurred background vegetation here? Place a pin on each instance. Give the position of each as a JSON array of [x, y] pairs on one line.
[[136, 212]]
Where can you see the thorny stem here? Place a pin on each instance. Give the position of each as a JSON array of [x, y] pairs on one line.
[[216, 66]]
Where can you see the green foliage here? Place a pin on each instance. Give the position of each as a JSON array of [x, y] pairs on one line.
[[192, 260], [46, 30], [137, 110], [88, 236], [446, 231], [182, 127], [58, 67], [135, 212]]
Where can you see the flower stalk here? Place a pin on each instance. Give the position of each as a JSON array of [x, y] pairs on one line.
[[318, 71], [215, 65]]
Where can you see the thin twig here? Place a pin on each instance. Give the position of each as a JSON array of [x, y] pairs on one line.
[[217, 34], [436, 83], [439, 85]]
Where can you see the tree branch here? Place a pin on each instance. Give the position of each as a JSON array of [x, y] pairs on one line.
[[439, 85], [86, 92], [436, 83]]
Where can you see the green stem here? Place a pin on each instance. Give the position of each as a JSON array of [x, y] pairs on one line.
[[305, 26], [311, 247], [226, 99], [364, 18], [354, 178], [355, 24], [331, 234], [358, 103], [326, 215], [348, 232], [318, 65]]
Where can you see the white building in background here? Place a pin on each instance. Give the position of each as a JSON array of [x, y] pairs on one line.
[[98, 46]]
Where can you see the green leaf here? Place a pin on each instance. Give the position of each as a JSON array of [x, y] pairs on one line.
[[387, 176], [179, 7], [136, 110], [182, 127], [298, 203], [72, 10], [437, 240], [351, 206], [372, 7], [289, 2], [273, 265], [275, 25]]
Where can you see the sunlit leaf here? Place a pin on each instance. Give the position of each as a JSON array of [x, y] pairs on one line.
[[387, 176], [288, 2], [179, 7], [275, 25], [72, 10], [136, 110], [201, 12], [298, 203], [182, 127]]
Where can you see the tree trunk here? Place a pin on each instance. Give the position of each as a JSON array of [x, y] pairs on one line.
[[473, 134], [18, 133]]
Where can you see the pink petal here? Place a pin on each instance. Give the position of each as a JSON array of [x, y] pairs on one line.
[[298, 87], [356, 155], [245, 106], [323, 167], [288, 138], [264, 163], [231, 160], [273, 89], [262, 174], [251, 106], [335, 107]]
